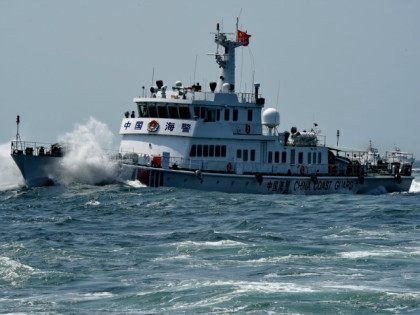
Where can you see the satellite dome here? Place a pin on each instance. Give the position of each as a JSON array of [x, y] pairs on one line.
[[271, 118], [225, 87]]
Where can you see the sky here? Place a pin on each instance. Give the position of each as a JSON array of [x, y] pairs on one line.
[[347, 65]]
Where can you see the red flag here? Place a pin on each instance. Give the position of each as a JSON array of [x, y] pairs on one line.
[[243, 38]]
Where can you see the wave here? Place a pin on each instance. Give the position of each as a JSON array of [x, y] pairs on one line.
[[10, 176], [222, 243], [85, 160]]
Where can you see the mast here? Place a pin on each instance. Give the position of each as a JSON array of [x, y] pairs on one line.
[[17, 129], [226, 60]]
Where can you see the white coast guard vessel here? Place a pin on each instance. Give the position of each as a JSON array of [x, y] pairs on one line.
[[222, 140]]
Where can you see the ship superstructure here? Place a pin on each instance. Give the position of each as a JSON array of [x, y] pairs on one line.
[[219, 129]]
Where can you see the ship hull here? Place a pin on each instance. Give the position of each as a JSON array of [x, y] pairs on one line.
[[36, 170], [39, 170], [252, 184]]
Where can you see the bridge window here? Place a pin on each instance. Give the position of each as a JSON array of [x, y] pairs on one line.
[[252, 155], [193, 150], [309, 157], [162, 111], [270, 157], [143, 111], [203, 112], [184, 112], [205, 150], [249, 114], [235, 115], [152, 110], [227, 114], [211, 115], [199, 150], [173, 112], [314, 157], [223, 150], [283, 157], [245, 155], [211, 150], [217, 114], [276, 157], [319, 158], [217, 151], [300, 157], [292, 156], [238, 154]]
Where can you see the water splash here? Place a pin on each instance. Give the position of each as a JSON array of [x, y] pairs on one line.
[[415, 186], [86, 161], [10, 177]]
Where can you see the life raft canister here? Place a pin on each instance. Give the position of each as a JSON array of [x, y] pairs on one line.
[[153, 126]]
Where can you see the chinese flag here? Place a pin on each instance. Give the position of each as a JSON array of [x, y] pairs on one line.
[[243, 38]]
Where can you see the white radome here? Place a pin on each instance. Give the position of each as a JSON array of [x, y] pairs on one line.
[[271, 117]]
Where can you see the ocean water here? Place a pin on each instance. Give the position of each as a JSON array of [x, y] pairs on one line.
[[124, 248]]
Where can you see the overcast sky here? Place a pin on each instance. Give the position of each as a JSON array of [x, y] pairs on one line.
[[348, 65]]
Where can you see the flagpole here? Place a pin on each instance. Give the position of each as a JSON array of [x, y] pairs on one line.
[[237, 27]]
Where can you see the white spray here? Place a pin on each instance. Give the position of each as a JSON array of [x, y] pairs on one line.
[[10, 176], [85, 161]]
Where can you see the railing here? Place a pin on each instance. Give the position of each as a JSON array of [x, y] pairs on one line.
[[209, 96], [36, 148]]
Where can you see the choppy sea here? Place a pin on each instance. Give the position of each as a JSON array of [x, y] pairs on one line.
[[78, 248]]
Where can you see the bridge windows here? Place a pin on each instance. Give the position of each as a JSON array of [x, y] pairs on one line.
[[245, 155], [270, 157], [309, 158], [152, 110], [319, 157], [163, 110], [199, 150], [249, 114], [227, 114], [211, 150], [143, 110], [283, 157], [292, 156], [300, 157], [173, 112], [193, 150], [239, 154], [184, 112], [235, 115], [252, 157], [314, 157], [276, 157]]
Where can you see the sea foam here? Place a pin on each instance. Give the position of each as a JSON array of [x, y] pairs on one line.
[[415, 186], [10, 176]]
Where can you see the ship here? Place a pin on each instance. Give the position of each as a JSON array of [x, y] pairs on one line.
[[220, 139]]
